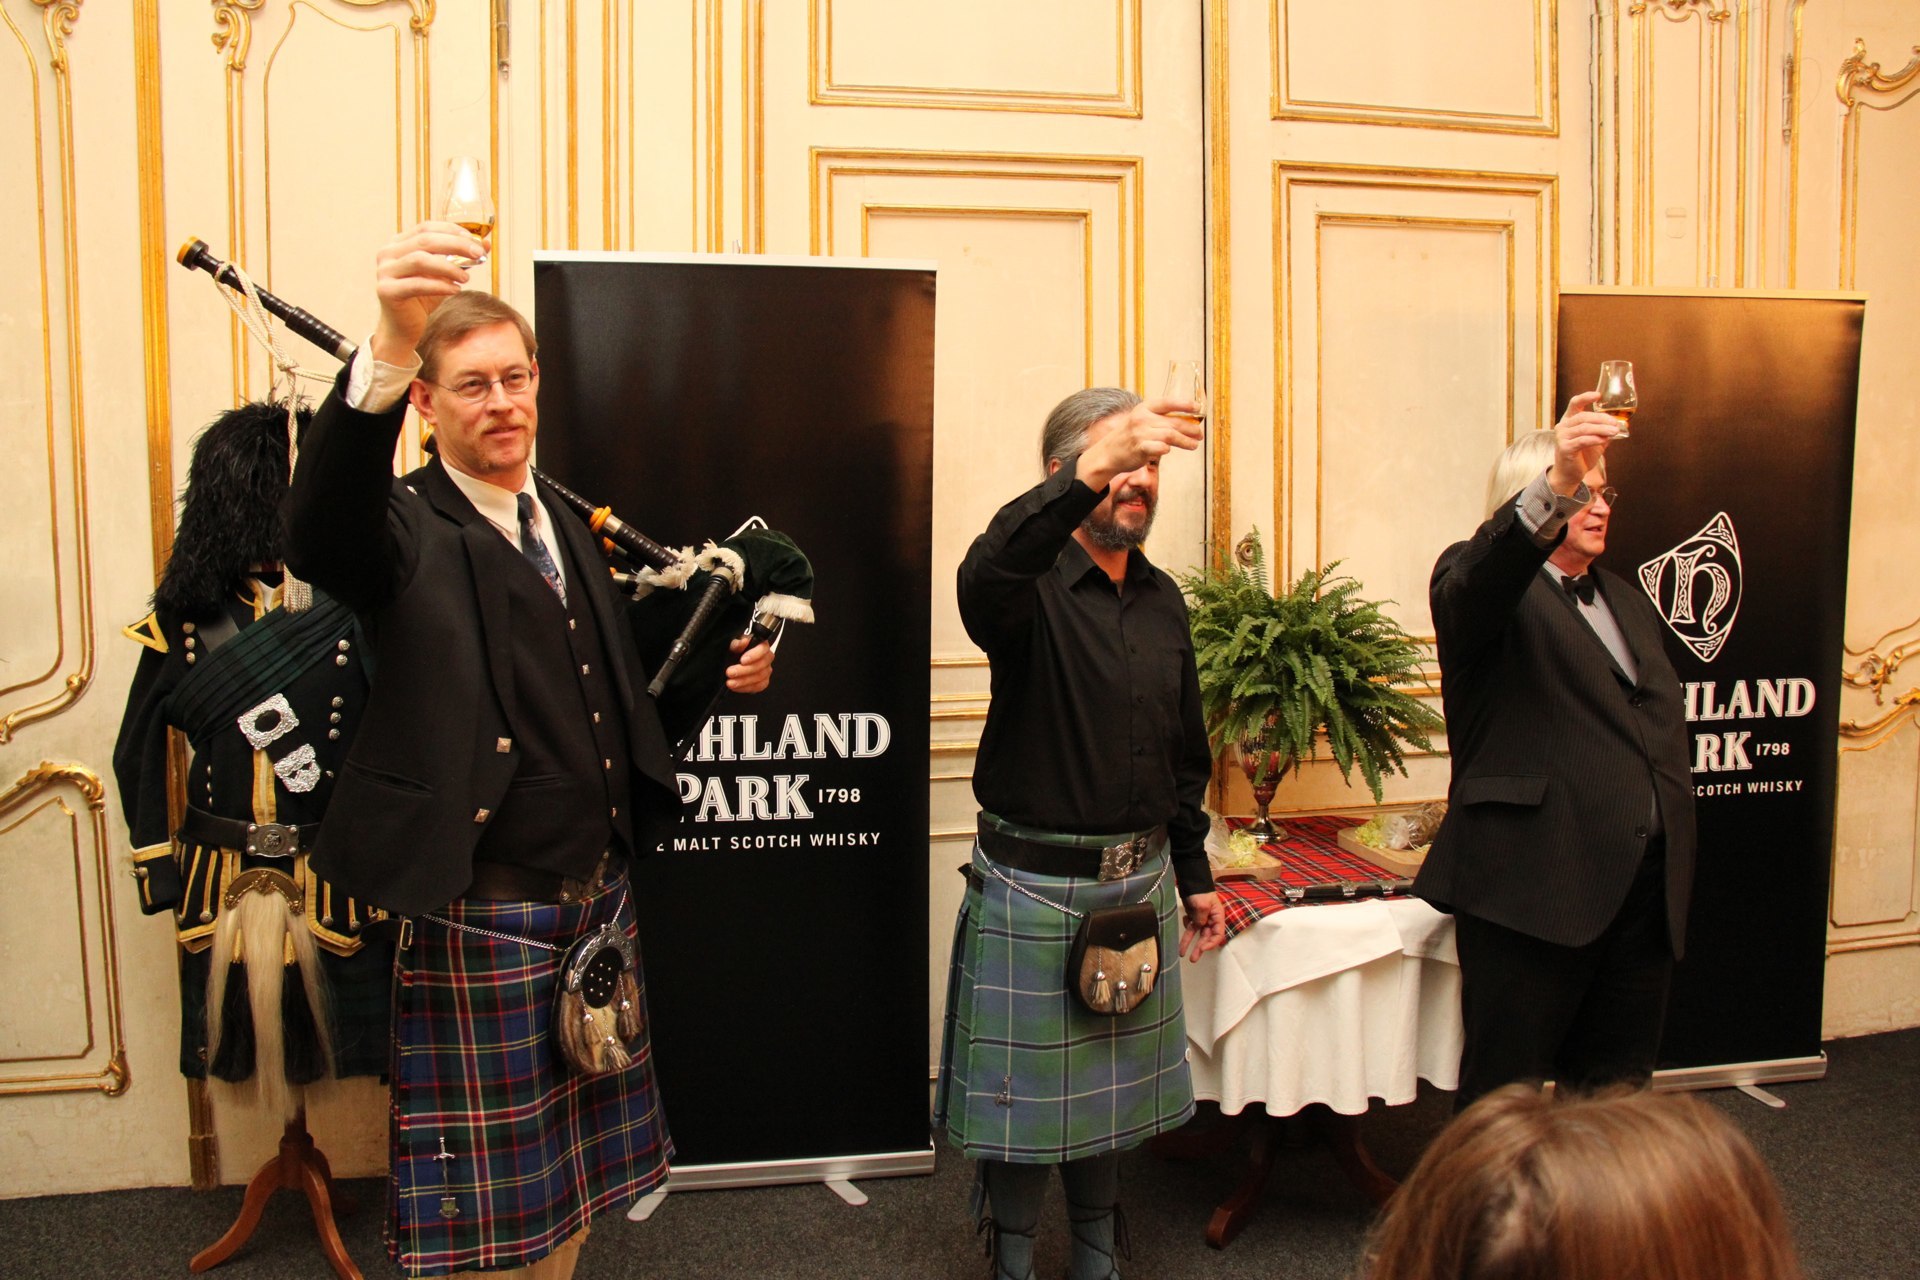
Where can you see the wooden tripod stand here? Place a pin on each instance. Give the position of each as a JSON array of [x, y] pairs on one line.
[[299, 1166]]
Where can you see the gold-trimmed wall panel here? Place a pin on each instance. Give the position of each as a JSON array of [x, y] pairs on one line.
[[1406, 61], [1876, 884], [1463, 276], [1044, 59], [60, 1013], [48, 635]]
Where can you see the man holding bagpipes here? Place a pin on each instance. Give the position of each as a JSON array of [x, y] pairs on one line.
[[507, 766]]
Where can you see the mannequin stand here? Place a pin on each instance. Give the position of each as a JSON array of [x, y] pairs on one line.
[[300, 1166]]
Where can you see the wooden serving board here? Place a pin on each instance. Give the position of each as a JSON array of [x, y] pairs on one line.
[[1402, 862], [1266, 869]]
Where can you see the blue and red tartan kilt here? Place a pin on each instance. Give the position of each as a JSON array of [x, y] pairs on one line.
[[532, 1149]]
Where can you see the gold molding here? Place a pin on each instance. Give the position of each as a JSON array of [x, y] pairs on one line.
[[1873, 942], [154, 257], [967, 660], [1541, 188], [1125, 174], [707, 155], [1859, 83], [112, 1077], [1714, 16], [233, 30], [1544, 122], [1876, 669], [716, 132], [58, 17], [1795, 98], [498, 36], [1214, 71], [573, 125], [1882, 728], [1125, 101], [753, 92]]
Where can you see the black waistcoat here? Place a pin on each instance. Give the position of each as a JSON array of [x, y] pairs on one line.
[[569, 800]]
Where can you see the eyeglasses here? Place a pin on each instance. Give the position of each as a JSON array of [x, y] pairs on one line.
[[476, 388], [1606, 493]]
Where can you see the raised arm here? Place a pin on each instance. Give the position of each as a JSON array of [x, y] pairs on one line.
[[338, 534], [1477, 584], [1025, 537]]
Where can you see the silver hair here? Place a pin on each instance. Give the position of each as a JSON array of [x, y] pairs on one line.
[[1065, 435], [1517, 465]]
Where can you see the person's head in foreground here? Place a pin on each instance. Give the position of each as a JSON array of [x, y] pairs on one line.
[[1619, 1185]]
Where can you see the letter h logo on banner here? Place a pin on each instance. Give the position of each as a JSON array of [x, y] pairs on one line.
[[1696, 587]]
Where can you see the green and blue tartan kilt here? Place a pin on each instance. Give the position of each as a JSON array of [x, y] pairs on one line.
[[1027, 1073], [535, 1148]]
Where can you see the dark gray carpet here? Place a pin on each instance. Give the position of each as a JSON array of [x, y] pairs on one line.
[[1846, 1151]]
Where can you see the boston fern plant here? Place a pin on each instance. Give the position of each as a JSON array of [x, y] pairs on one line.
[[1276, 671]]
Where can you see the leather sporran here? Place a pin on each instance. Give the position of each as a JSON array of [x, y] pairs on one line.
[[596, 1010], [1115, 957]]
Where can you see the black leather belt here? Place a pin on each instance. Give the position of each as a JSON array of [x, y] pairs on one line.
[[509, 882], [1082, 857], [261, 839]]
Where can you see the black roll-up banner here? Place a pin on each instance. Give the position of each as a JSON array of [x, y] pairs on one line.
[[1735, 499], [784, 924]]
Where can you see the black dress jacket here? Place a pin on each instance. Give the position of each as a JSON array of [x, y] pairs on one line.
[[435, 753], [1557, 756]]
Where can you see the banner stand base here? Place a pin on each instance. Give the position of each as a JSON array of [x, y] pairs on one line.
[[1734, 1075], [836, 1172]]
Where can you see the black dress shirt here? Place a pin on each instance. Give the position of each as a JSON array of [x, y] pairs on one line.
[[1095, 725]]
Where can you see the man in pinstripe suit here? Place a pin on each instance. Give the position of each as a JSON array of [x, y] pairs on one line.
[[1567, 851]]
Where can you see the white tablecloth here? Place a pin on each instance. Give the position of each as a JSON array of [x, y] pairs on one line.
[[1334, 1004]]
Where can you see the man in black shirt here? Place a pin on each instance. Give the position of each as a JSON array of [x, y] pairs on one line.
[[1090, 778]]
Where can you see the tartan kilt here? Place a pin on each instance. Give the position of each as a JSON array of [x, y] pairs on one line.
[[1027, 1073], [536, 1148]]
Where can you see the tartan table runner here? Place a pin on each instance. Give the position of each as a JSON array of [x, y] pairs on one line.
[[1309, 856]]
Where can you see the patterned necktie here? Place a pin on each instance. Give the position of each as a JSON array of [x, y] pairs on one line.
[[535, 549], [1580, 588]]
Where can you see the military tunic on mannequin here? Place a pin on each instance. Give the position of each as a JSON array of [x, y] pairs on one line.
[[268, 700]]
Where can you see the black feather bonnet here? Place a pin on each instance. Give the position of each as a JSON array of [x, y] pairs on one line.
[[230, 517]]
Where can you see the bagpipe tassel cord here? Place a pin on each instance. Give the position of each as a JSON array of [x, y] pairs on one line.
[[295, 595], [273, 1028]]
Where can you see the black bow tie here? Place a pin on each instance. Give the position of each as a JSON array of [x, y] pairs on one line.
[[1580, 588]]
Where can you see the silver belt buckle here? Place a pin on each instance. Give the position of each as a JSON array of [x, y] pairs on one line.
[[1118, 861], [272, 840]]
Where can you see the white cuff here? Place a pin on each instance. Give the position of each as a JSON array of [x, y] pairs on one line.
[[374, 386]]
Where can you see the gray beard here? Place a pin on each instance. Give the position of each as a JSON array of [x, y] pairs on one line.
[[1106, 533]]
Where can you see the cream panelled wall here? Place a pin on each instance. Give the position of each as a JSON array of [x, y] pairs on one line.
[[1399, 187], [73, 1035], [1049, 157], [1359, 214], [1855, 208]]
